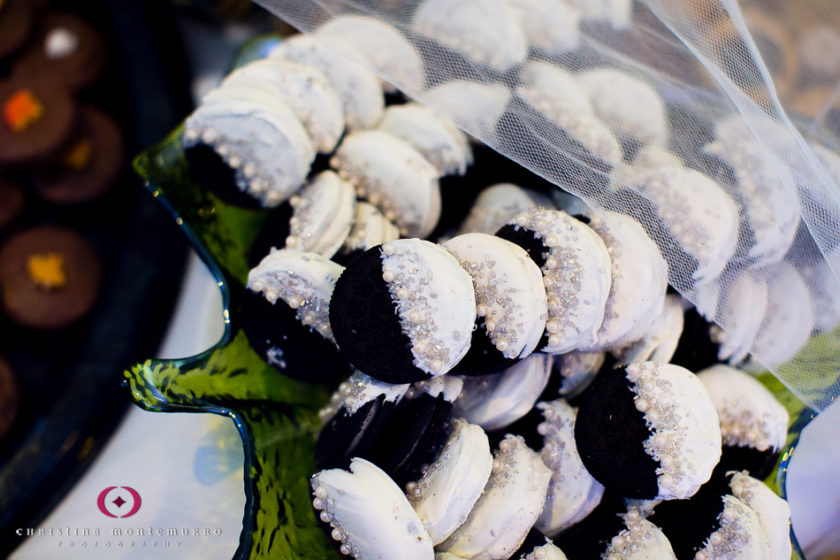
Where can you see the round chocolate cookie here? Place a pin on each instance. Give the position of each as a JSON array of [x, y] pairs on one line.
[[16, 22], [67, 48], [9, 397], [38, 117], [90, 166], [11, 204], [49, 277], [403, 311]]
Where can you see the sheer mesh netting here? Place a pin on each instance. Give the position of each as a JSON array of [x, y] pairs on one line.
[[707, 121]]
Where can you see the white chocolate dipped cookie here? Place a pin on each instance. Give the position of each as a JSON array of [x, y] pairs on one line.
[[324, 211]]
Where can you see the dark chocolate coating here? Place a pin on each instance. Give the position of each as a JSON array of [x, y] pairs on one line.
[[689, 523], [610, 435], [79, 68], [212, 173], [430, 444], [696, 350], [33, 306], [366, 325], [402, 436], [70, 186], [532, 540], [306, 355], [342, 434], [273, 234], [526, 239], [46, 136], [758, 463], [482, 358], [589, 538]]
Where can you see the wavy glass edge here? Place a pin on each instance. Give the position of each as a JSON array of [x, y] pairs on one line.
[[272, 413]]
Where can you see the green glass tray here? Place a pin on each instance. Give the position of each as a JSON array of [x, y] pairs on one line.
[[276, 416]]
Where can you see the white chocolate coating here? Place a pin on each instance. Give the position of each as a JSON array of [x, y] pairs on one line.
[[685, 433], [572, 492], [369, 514], [434, 299], [772, 511], [576, 276], [304, 89], [390, 54], [304, 281], [551, 26], [392, 176], [618, 13], [749, 413], [358, 390], [577, 369], [497, 400], [359, 89], [742, 313], [475, 106], [498, 204], [698, 213], [509, 292], [740, 536], [440, 142], [653, 155], [639, 279], [660, 342], [486, 32], [256, 135], [323, 214], [639, 540], [631, 107], [509, 506], [370, 228], [557, 95], [788, 320], [450, 487], [545, 552]]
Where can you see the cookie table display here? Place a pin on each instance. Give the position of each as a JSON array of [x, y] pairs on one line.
[[510, 301], [67, 49], [404, 311], [576, 273], [89, 167], [360, 90], [246, 140], [50, 277], [394, 177], [285, 315], [648, 431], [38, 117], [752, 422]]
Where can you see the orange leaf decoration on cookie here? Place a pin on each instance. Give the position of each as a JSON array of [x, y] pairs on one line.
[[47, 270], [21, 110]]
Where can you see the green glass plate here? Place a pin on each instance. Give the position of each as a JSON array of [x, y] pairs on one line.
[[276, 416]]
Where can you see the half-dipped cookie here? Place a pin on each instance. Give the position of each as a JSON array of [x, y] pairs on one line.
[[403, 311], [370, 228], [772, 511], [497, 205], [510, 302], [393, 176], [49, 276], [752, 422], [576, 273], [648, 430], [285, 315], [324, 211]]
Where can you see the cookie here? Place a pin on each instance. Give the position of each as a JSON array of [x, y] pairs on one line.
[[498, 204], [510, 301], [324, 210], [50, 277], [285, 315], [370, 228], [647, 431], [38, 118], [67, 49], [90, 167], [9, 397], [403, 311]]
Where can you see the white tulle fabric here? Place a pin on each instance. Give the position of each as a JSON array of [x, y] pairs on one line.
[[722, 117]]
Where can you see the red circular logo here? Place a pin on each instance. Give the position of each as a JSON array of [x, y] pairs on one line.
[[118, 501]]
